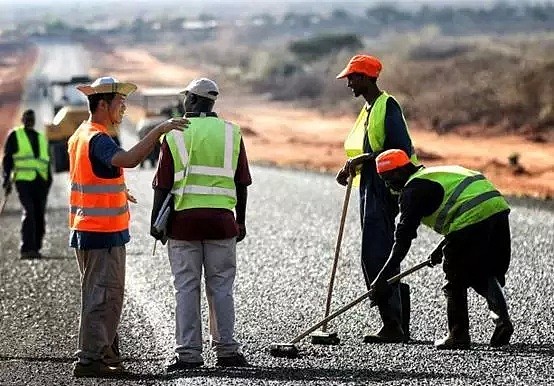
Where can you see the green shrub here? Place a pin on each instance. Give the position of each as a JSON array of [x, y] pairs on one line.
[[315, 48]]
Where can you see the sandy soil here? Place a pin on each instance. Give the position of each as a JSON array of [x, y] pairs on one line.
[[281, 134]]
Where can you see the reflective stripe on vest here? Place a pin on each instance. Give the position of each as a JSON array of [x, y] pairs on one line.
[[26, 166], [205, 159], [96, 204], [372, 123], [468, 198]]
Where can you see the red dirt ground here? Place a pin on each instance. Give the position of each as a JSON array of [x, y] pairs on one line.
[[281, 134]]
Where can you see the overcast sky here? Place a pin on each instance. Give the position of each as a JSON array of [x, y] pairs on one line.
[[17, 11], [338, 2]]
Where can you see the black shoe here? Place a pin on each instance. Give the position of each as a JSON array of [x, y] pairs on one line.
[[450, 342], [98, 369], [30, 255], [177, 365], [386, 335], [236, 360], [502, 333]]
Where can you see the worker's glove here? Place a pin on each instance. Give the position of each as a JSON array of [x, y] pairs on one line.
[[242, 233], [342, 176], [158, 235], [7, 186], [436, 256], [379, 290]]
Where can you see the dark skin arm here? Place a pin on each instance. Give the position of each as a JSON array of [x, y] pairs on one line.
[[352, 165], [240, 208], [132, 157]]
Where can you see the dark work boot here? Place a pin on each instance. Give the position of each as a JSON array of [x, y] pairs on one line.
[[458, 321], [391, 315], [499, 314], [406, 309]]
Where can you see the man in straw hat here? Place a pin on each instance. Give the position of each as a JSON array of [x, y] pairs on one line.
[[99, 220], [379, 126]]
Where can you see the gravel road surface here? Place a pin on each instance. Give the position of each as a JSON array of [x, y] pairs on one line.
[[283, 270]]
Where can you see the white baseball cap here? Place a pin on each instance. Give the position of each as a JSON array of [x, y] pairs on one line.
[[203, 87]]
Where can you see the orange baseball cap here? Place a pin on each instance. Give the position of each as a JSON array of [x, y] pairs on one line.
[[390, 160], [363, 64]]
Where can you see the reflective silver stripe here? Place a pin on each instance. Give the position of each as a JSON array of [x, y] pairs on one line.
[[470, 204], [181, 147], [97, 188], [196, 189], [30, 159], [99, 212], [441, 217], [211, 171], [24, 158], [179, 176], [184, 154], [228, 160]]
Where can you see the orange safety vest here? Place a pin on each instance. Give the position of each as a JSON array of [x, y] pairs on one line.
[[96, 204]]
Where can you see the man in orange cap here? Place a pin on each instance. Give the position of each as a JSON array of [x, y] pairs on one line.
[[379, 126], [464, 207]]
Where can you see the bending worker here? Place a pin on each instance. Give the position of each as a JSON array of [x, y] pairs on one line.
[[206, 171], [99, 221], [472, 215], [380, 126], [27, 161]]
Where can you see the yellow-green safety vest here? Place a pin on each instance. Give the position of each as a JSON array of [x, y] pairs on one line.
[[468, 198], [26, 166], [205, 157], [375, 127]]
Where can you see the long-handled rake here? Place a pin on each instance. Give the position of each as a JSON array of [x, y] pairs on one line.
[[323, 336], [289, 350], [3, 204]]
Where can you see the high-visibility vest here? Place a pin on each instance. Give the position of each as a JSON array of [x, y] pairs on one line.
[[468, 198], [374, 124], [96, 204], [205, 157], [26, 165]]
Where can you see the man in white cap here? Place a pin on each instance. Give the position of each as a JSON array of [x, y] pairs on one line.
[[205, 169], [99, 221]]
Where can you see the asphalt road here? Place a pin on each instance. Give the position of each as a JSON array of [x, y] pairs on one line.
[[283, 270]]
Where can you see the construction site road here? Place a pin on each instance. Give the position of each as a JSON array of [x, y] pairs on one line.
[[283, 271]]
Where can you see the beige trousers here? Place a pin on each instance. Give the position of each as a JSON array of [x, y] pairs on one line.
[[102, 283], [217, 258]]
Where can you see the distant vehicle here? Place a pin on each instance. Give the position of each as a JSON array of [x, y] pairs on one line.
[[63, 92], [159, 104], [70, 109]]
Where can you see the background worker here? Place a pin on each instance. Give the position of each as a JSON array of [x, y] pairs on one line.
[[27, 161], [206, 170], [379, 126], [99, 221], [467, 209]]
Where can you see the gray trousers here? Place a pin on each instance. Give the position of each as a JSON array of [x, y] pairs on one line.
[[102, 283], [218, 259]]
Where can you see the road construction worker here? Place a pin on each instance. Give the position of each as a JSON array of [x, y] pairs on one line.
[[206, 171], [99, 221], [26, 161], [379, 126], [464, 207]]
